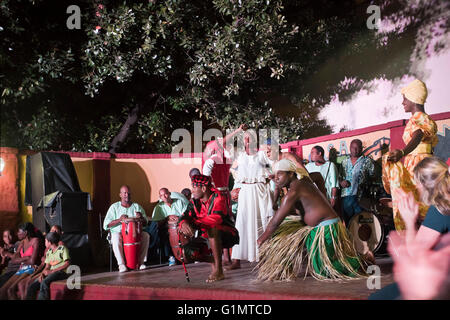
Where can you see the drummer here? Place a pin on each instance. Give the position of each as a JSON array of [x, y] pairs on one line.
[[171, 206], [123, 211]]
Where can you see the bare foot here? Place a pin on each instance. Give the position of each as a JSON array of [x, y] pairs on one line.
[[213, 277], [235, 265]]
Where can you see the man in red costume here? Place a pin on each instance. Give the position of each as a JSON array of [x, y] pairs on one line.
[[209, 213]]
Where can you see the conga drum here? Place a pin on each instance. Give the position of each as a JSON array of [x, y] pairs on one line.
[[368, 233], [173, 237], [131, 238], [192, 249]]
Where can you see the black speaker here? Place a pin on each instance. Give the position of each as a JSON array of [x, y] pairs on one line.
[[49, 175], [67, 209]]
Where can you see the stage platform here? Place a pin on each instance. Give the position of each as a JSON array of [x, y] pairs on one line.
[[169, 283]]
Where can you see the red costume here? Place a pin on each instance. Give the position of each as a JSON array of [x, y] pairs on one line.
[[213, 213]]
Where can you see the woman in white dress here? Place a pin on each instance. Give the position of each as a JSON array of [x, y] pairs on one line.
[[255, 200]]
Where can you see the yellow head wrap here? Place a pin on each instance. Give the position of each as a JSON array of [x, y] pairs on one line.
[[416, 92], [288, 165]]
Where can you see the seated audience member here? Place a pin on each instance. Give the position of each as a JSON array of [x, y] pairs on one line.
[[28, 255], [57, 260], [123, 211], [9, 245], [20, 289], [170, 207], [432, 177], [187, 193]]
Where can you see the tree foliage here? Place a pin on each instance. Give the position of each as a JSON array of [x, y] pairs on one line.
[[171, 61]]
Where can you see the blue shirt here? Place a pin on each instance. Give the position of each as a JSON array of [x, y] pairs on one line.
[[436, 220], [357, 174]]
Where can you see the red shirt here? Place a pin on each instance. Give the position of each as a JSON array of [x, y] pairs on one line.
[[212, 214], [209, 214]]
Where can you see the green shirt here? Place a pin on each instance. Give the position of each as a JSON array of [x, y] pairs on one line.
[[117, 210], [57, 258], [178, 207]]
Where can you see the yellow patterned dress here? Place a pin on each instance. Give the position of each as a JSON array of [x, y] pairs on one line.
[[398, 175]]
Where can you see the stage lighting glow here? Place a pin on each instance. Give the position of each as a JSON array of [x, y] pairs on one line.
[[2, 165]]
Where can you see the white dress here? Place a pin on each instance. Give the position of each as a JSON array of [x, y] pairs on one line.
[[254, 203]]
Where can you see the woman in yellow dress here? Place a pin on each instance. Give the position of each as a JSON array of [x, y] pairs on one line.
[[420, 137]]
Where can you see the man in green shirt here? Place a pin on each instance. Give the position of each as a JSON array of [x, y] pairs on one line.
[[171, 206], [122, 211]]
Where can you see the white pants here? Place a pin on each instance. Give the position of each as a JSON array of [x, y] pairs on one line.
[[117, 245]]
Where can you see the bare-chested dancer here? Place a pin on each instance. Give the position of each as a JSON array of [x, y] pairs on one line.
[[331, 255], [301, 171]]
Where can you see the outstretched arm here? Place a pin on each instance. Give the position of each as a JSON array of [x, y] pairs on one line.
[[286, 207], [242, 127]]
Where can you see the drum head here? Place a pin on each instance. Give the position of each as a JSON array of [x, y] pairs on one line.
[[366, 231], [386, 202]]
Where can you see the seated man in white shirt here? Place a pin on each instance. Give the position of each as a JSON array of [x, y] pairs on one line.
[[119, 212]]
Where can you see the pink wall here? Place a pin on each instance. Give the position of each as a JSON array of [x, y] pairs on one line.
[[146, 175]]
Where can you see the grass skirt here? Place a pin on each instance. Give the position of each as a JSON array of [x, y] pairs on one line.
[[328, 249]]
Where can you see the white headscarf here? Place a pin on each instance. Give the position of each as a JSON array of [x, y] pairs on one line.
[[284, 165], [288, 165]]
